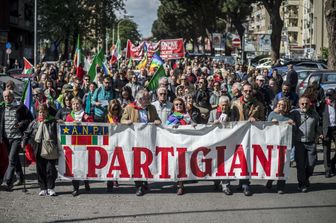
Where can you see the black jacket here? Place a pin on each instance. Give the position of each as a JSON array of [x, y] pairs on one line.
[[30, 132], [23, 117]]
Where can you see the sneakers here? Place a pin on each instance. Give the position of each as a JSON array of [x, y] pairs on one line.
[[227, 191], [75, 193], [247, 191], [140, 191], [302, 189], [51, 192], [19, 182], [7, 187], [43, 193], [281, 191], [180, 191]]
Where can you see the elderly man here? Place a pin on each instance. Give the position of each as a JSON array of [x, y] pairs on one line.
[[14, 119], [236, 90], [162, 106], [307, 131], [164, 83], [140, 111], [247, 108]]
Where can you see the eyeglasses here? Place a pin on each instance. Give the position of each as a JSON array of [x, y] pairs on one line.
[[178, 104], [162, 93], [304, 103]]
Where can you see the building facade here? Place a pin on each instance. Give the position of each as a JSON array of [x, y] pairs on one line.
[[16, 27], [304, 32]]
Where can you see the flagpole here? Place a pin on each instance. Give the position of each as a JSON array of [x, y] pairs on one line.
[[35, 32]]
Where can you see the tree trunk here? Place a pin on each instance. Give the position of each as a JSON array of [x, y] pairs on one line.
[[330, 9], [273, 9], [277, 25], [240, 29]]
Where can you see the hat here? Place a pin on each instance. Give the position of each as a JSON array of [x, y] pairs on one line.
[[260, 77], [67, 87]]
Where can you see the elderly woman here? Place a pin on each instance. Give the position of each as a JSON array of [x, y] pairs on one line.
[[280, 113], [45, 168], [179, 117], [78, 115], [222, 114]]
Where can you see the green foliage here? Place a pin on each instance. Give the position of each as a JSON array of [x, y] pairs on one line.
[[325, 53], [188, 19], [128, 30], [63, 20]]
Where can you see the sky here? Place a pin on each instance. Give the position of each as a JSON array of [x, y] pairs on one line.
[[144, 12]]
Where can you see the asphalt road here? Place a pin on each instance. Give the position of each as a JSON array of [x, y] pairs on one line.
[[200, 204]]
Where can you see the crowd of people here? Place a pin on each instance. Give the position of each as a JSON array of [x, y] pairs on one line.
[[195, 91]]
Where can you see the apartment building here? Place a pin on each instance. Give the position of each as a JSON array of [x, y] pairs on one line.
[[304, 33]]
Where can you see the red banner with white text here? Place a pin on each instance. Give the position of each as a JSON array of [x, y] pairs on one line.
[[169, 49]]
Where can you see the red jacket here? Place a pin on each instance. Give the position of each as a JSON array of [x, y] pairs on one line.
[[85, 118]]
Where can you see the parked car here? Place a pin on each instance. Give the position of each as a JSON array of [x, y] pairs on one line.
[[303, 65], [325, 78], [302, 74], [225, 59]]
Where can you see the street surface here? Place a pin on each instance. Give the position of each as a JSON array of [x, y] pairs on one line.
[[200, 203]]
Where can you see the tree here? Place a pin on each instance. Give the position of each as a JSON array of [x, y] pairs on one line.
[[330, 15], [189, 19], [237, 11], [273, 9], [128, 30], [63, 20]]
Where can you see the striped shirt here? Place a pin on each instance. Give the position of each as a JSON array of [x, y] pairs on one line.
[[11, 130]]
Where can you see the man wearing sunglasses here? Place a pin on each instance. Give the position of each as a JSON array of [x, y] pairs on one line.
[[247, 108]]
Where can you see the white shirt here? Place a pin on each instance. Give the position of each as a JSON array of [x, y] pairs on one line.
[[163, 109], [332, 114]]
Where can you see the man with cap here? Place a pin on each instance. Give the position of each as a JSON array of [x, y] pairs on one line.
[[329, 131]]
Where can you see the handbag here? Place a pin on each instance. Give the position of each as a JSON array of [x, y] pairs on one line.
[[49, 148]]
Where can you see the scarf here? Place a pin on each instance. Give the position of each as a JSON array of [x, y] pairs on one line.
[[135, 105], [88, 103], [41, 119], [77, 116], [176, 118], [113, 120]]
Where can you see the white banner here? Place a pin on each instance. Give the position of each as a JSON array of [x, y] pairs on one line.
[[239, 150]]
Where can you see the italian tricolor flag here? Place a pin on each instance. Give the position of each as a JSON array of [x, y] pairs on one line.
[[28, 67], [82, 140]]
